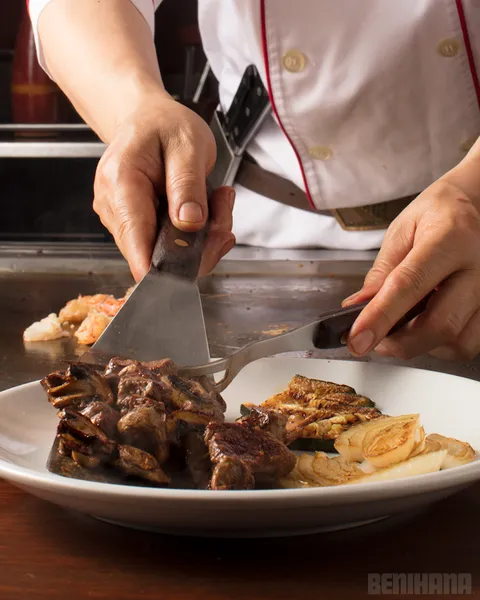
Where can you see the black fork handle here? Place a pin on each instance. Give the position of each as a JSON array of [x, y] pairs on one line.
[[333, 331]]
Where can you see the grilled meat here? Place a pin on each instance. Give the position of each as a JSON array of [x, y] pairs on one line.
[[272, 421], [79, 385], [197, 459], [144, 427], [137, 369], [138, 463], [139, 387], [115, 365], [231, 473], [102, 415], [162, 367], [260, 453], [79, 435], [190, 402]]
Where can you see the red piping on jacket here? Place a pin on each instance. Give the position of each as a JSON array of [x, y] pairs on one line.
[[272, 101], [468, 48]]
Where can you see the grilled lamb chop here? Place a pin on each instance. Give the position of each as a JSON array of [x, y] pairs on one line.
[[138, 463], [144, 427], [79, 385], [104, 416], [262, 455]]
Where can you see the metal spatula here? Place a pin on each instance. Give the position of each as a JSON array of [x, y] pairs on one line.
[[163, 317], [328, 332]]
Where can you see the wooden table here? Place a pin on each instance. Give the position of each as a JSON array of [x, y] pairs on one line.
[[48, 553]]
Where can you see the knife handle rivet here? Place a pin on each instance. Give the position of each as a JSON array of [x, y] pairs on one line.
[[182, 243]]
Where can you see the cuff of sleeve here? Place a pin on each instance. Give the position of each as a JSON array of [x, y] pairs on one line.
[[35, 7]]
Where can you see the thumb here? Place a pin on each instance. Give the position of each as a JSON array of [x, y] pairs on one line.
[[396, 245], [185, 182]]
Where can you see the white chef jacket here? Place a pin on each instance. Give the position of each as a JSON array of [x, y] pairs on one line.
[[372, 100]]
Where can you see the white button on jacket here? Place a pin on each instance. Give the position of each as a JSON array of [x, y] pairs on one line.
[[372, 100]]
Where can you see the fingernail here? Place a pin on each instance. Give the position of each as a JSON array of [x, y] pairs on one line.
[[191, 212], [363, 341], [350, 298]]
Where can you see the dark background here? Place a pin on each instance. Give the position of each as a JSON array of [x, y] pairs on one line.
[[50, 199]]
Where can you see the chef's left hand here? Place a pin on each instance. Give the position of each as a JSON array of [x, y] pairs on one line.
[[433, 245]]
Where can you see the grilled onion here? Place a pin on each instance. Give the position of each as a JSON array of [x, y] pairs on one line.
[[321, 470], [458, 453], [418, 465], [382, 442]]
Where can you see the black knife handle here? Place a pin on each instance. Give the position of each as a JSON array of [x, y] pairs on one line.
[[248, 104], [333, 331], [178, 252]]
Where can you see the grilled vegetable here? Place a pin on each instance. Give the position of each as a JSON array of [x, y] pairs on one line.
[[382, 442], [321, 470], [312, 445], [418, 465], [317, 412], [458, 453], [301, 386]]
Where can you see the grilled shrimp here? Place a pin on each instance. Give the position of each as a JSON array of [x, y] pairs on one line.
[[92, 327], [77, 310]]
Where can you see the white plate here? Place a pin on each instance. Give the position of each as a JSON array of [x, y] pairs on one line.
[[448, 405]]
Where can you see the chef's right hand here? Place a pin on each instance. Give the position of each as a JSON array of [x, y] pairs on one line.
[[163, 146]]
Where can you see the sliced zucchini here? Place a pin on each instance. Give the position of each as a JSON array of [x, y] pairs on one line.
[[313, 445]]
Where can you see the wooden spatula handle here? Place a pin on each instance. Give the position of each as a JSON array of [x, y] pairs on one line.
[[178, 252]]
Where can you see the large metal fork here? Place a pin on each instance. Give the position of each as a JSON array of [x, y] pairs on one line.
[[328, 332]]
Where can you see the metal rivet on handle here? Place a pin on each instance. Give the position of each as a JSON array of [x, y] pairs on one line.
[[182, 243]]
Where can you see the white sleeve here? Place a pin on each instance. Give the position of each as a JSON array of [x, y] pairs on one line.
[[145, 7]]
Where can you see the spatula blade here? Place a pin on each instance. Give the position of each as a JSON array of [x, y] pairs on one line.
[[162, 318]]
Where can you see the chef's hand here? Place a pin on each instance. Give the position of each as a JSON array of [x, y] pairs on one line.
[[433, 245], [164, 146]]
